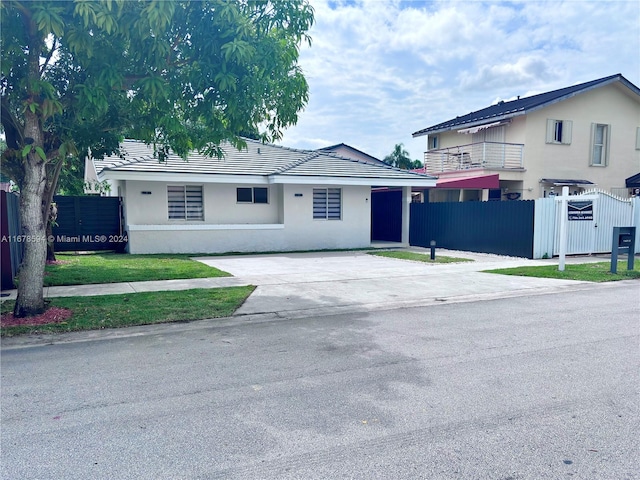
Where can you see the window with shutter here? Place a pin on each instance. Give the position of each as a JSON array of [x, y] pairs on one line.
[[327, 203], [185, 202], [559, 131], [600, 135]]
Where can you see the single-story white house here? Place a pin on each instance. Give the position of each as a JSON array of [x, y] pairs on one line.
[[262, 198]]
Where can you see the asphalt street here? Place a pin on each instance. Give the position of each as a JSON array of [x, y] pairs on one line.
[[530, 387]]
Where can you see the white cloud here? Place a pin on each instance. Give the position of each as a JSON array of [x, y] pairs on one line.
[[380, 70]]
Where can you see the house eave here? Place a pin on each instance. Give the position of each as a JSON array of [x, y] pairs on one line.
[[476, 123], [364, 181], [181, 177], [264, 179]]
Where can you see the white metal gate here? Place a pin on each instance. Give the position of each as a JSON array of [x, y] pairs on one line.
[[584, 236]]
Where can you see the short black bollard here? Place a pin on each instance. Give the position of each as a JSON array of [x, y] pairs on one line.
[[432, 244]]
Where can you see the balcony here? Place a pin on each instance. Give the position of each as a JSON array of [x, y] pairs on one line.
[[487, 155]]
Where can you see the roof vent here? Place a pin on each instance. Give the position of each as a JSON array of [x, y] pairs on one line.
[[258, 150], [501, 102]]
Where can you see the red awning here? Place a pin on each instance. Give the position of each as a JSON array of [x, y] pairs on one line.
[[475, 183]]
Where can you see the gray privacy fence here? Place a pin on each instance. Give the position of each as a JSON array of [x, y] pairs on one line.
[[529, 228], [504, 228], [88, 223]]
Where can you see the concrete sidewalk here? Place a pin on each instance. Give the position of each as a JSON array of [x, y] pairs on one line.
[[299, 284]]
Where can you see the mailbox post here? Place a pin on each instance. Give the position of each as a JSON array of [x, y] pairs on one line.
[[624, 241]]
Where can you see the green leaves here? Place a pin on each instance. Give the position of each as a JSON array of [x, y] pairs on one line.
[[48, 19], [238, 51], [99, 14], [153, 87], [27, 149], [159, 14], [226, 81], [400, 158], [41, 153], [185, 74]]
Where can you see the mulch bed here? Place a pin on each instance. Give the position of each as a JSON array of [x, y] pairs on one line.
[[51, 315]]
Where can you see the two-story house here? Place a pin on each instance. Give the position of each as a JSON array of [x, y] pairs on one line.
[[584, 136]]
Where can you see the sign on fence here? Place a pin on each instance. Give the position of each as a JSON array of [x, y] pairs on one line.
[[580, 210]]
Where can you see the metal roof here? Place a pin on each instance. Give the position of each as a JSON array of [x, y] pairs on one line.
[[275, 163], [566, 181], [521, 106]]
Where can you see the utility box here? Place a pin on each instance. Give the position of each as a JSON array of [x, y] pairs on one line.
[[624, 241]]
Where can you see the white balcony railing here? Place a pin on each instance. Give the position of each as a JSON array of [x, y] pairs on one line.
[[489, 155]]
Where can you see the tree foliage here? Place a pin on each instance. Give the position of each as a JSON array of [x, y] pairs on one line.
[[76, 76], [400, 158]]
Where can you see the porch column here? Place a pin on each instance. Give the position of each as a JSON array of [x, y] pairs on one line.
[[406, 210]]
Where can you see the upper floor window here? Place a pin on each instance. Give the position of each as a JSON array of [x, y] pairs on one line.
[[434, 142], [600, 139], [559, 131], [185, 202], [252, 195], [327, 203]]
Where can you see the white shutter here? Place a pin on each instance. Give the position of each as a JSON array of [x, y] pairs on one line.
[[495, 134], [194, 202], [638, 138], [185, 202], [567, 127], [319, 203], [606, 144], [176, 203], [551, 129], [334, 204], [327, 203]]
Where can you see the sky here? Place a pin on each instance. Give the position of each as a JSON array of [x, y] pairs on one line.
[[379, 70]]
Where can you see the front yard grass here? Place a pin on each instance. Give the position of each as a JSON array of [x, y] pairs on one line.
[[115, 311], [82, 269], [419, 257], [588, 272]]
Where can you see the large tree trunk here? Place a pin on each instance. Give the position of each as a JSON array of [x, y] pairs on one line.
[[30, 299]]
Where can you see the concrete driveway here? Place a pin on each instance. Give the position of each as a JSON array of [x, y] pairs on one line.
[[315, 283]]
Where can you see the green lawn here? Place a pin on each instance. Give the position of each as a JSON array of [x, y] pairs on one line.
[[590, 272], [419, 257], [114, 311], [81, 269]]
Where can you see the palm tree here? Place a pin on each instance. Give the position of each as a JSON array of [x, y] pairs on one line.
[[400, 158]]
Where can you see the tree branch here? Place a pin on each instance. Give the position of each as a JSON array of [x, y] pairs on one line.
[[54, 47]]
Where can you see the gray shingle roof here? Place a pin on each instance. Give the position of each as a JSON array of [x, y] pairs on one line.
[[521, 106], [257, 159]]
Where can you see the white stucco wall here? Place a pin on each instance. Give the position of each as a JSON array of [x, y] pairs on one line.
[[610, 105], [286, 223], [220, 205]]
